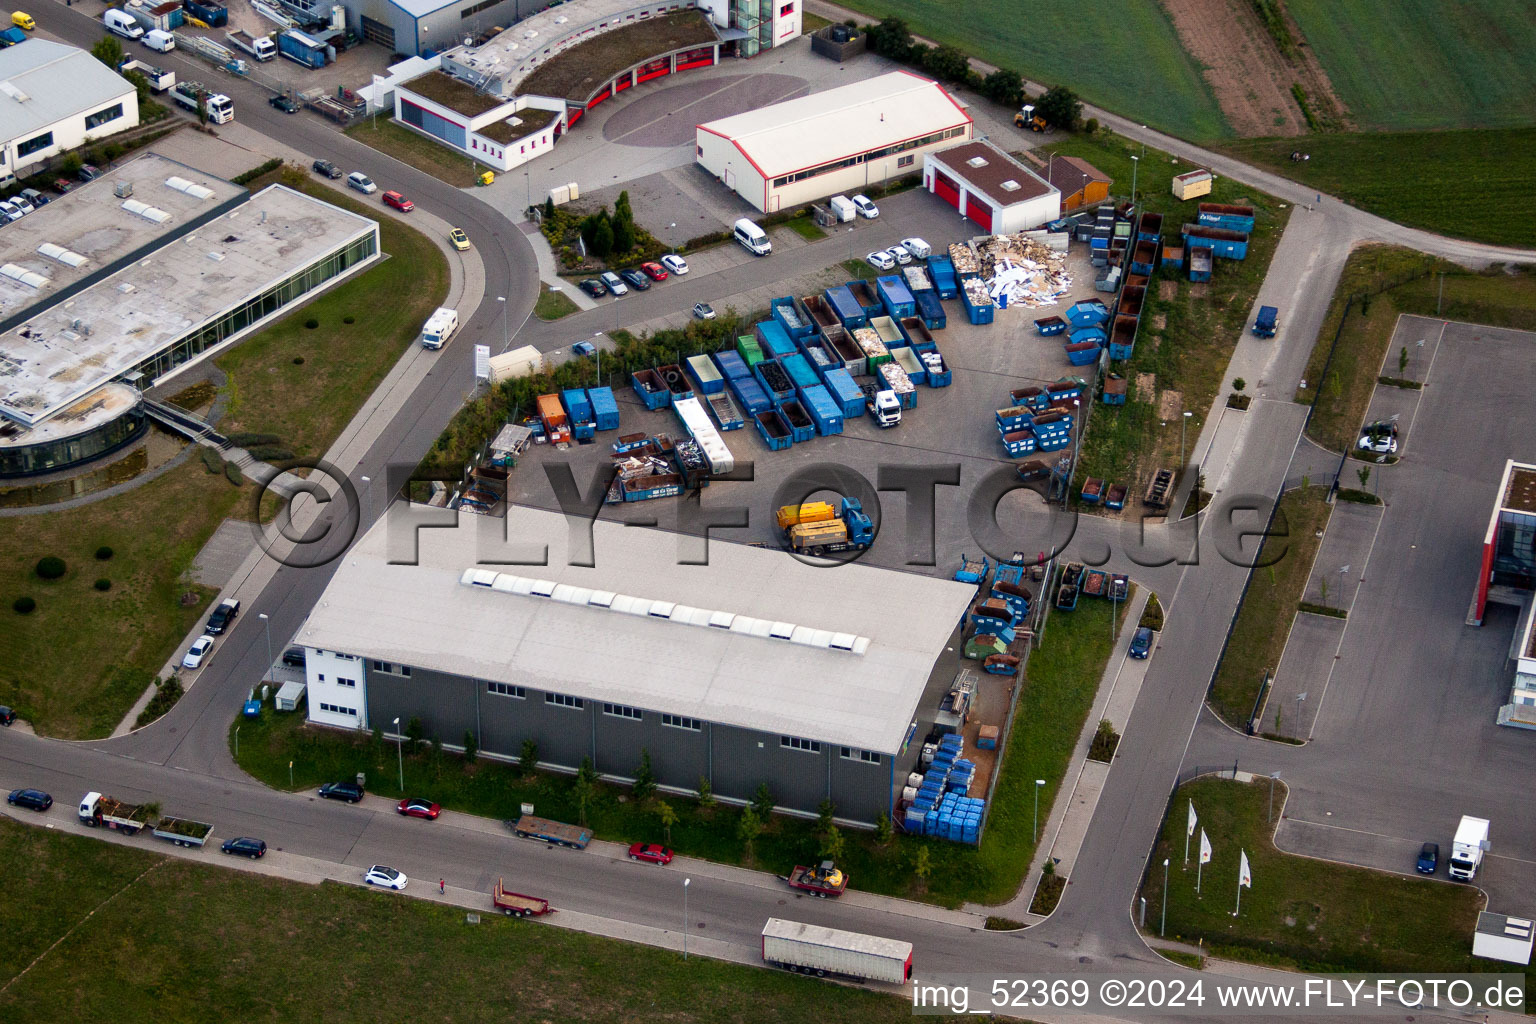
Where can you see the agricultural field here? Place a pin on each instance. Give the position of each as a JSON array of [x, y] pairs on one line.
[[1417, 64], [1124, 56], [1467, 184]]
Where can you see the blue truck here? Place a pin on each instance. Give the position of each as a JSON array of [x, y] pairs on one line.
[[850, 529]]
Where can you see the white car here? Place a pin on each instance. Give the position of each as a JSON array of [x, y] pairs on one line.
[[389, 878], [703, 311], [865, 207], [881, 260], [615, 283], [918, 248], [21, 204], [675, 264], [899, 254], [10, 211], [197, 652], [1384, 444]]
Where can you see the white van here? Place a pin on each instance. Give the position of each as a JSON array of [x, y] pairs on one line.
[[439, 327], [752, 237], [843, 207], [121, 23], [160, 41]]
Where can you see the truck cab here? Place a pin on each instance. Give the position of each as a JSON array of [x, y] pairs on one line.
[[885, 408]]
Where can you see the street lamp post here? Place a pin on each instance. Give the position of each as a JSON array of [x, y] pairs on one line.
[[367, 494], [597, 338], [672, 246], [1183, 423], [506, 338], [1038, 784], [1162, 927], [268, 623], [686, 883], [400, 753], [1135, 166], [527, 193]]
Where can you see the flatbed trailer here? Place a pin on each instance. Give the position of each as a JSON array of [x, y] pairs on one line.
[[823, 881], [515, 904], [555, 833], [182, 831]]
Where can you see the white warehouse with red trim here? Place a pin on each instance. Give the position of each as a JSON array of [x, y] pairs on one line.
[[842, 140]]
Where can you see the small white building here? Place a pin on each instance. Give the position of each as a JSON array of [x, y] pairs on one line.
[[842, 140], [991, 188], [500, 134], [52, 97], [1503, 938]]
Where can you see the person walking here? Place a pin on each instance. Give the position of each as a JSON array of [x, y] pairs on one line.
[[442, 886]]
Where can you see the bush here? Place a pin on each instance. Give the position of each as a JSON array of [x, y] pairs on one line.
[[311, 323], [103, 553], [1105, 740], [245, 440], [212, 460], [51, 568], [349, 319], [1152, 614], [298, 360], [23, 606], [167, 693], [256, 172], [270, 453], [103, 584], [232, 474]]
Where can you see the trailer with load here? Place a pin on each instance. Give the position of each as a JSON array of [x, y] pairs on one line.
[[1267, 322], [305, 50], [219, 108], [158, 79], [98, 811], [515, 904], [812, 949], [260, 47], [825, 531], [555, 833], [824, 880], [182, 831]]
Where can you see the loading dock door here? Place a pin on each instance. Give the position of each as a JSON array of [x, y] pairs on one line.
[[979, 212], [946, 190]]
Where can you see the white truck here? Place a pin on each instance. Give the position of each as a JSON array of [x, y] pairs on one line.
[[220, 108], [159, 80], [843, 207], [439, 327], [812, 949], [260, 47], [885, 408], [1467, 850], [99, 811]]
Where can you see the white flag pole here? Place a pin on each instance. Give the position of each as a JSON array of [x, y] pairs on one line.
[[1189, 830]]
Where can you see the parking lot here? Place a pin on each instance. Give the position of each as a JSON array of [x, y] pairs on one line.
[[1404, 741]]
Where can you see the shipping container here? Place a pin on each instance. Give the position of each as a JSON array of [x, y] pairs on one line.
[[1150, 229], [819, 357], [918, 279], [749, 394], [895, 379], [842, 346], [579, 408], [813, 949], [1144, 257], [824, 412], [775, 341], [915, 331], [750, 351], [605, 410], [1049, 325], [935, 369], [1223, 215], [787, 313], [1082, 353], [676, 381], [696, 421], [651, 389], [552, 415], [845, 393], [726, 412], [821, 314], [846, 307], [1223, 243], [1087, 313], [865, 295], [895, 297], [931, 309], [978, 304], [707, 379], [905, 358], [799, 370], [731, 364], [774, 380], [1200, 260]]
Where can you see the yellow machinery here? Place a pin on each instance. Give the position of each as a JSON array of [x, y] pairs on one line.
[[811, 512], [1027, 118]]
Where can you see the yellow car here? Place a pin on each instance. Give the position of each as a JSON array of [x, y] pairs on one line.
[[459, 239]]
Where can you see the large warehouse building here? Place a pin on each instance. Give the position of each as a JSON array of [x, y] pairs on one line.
[[52, 97], [753, 669], [991, 188], [842, 140]]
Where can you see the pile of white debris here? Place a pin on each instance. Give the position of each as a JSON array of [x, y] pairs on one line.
[[1025, 269]]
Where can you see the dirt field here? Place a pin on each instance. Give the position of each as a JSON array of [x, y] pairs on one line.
[[1245, 69]]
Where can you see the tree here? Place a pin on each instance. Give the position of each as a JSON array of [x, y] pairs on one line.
[[883, 830], [748, 828], [623, 235], [645, 777], [948, 63], [378, 739], [528, 760], [833, 844], [667, 816], [602, 239], [706, 792], [1005, 87], [1238, 384], [549, 207], [414, 733], [437, 748], [1364, 473], [471, 746], [1402, 361], [585, 788], [140, 83], [202, 108], [622, 212], [109, 51], [824, 815], [891, 38], [1060, 107], [763, 801], [922, 865]]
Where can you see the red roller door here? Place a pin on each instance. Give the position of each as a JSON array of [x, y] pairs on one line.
[[946, 190], [979, 212]]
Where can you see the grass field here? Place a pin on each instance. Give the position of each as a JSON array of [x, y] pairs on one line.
[[1466, 184], [1264, 623], [1064, 675], [1201, 323], [1426, 63], [419, 151], [1123, 56], [75, 665], [1308, 913], [154, 938], [304, 384], [554, 305]]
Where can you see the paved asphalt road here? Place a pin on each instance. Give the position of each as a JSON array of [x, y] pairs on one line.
[[1092, 929]]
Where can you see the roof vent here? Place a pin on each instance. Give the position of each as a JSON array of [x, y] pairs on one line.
[[976, 161], [1010, 186], [61, 254], [13, 92], [217, 257], [149, 213], [191, 188], [122, 189], [125, 288], [23, 275]]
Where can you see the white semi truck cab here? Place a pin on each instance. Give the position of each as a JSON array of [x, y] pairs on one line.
[[1467, 850], [885, 408]]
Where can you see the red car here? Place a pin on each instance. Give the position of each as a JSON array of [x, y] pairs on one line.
[[654, 271], [653, 852], [414, 808], [399, 202]]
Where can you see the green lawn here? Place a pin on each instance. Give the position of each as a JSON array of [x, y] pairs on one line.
[[1063, 677], [1312, 914], [553, 305], [1274, 590], [448, 165], [304, 384], [1466, 184], [1426, 63], [807, 229], [187, 942], [1190, 353], [75, 665], [1123, 56]]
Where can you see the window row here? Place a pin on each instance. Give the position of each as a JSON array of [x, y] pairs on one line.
[[680, 722], [621, 711], [796, 743], [506, 690], [874, 154], [337, 709], [855, 754], [564, 701], [392, 669]]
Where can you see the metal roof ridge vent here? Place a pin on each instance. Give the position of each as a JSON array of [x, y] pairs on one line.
[[23, 275], [62, 255], [654, 608], [191, 188]]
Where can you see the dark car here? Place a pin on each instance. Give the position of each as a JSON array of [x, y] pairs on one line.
[[89, 172], [32, 799], [246, 847], [1141, 643], [415, 807], [284, 103], [294, 657], [593, 287], [351, 792], [326, 168], [635, 279], [7, 715], [1429, 858], [223, 616]]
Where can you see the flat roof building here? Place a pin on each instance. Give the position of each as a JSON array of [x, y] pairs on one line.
[[991, 188], [842, 140], [755, 668], [52, 97]]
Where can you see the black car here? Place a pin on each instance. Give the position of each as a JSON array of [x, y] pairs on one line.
[[1429, 858], [293, 657], [635, 279], [245, 846], [351, 792], [285, 103], [7, 715], [327, 169], [223, 616], [593, 287], [32, 799]]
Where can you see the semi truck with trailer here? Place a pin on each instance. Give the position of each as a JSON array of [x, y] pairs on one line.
[[812, 949], [1467, 849], [98, 811]]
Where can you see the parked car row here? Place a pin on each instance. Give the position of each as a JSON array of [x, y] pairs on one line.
[[905, 252], [639, 278]]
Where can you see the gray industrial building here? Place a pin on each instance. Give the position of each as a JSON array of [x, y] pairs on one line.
[[754, 668], [425, 27]]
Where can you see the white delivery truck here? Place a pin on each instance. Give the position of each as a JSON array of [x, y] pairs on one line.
[[812, 949], [843, 207], [1468, 848], [439, 327], [885, 407]]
